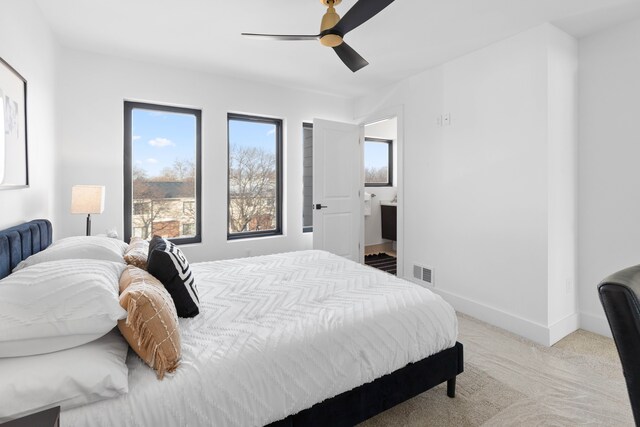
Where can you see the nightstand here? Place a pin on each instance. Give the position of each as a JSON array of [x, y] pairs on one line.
[[46, 418]]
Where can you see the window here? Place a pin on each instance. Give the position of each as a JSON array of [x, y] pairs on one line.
[[254, 176], [162, 172], [188, 229], [378, 158], [307, 177], [188, 207], [141, 208]]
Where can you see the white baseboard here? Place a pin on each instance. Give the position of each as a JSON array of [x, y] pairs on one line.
[[496, 317], [594, 323], [534, 331], [563, 327]]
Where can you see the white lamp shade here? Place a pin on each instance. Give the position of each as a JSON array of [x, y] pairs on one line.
[[87, 199]]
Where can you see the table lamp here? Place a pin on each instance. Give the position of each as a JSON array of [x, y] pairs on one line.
[[87, 199]]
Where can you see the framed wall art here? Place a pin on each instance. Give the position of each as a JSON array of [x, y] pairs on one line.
[[14, 169]]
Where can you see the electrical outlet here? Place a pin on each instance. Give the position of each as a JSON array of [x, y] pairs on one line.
[[439, 120]]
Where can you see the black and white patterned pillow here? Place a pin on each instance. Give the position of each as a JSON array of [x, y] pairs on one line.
[[168, 264]]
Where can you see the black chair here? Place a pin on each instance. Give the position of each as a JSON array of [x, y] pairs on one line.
[[619, 295]]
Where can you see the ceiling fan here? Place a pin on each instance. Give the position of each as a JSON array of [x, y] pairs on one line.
[[333, 29]]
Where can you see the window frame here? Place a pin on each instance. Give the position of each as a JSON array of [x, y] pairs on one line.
[[389, 182], [279, 176], [129, 106]]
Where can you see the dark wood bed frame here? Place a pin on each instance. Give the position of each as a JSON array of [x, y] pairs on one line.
[[346, 409]]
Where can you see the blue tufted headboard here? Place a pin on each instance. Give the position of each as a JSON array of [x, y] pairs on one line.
[[17, 243]]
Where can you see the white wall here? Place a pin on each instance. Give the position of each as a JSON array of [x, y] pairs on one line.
[[477, 192], [387, 129], [609, 171], [27, 44], [93, 88]]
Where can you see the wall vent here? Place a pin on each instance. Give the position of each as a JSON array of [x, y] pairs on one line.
[[424, 274]]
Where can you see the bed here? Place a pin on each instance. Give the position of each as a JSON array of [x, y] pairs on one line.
[[296, 339]]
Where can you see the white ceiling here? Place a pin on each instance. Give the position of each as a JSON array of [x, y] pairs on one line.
[[407, 37]]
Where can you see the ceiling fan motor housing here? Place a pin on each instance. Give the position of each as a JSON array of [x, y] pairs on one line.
[[329, 20]]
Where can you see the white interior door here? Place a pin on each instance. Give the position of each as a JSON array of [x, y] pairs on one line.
[[337, 176]]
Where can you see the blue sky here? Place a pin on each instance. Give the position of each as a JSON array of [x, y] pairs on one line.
[[376, 154], [253, 134], [159, 137]]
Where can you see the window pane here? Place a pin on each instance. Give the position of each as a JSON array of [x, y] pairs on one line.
[[376, 162], [253, 175], [307, 177], [163, 181]]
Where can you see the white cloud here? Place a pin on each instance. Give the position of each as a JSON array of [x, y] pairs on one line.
[[152, 160], [161, 142], [271, 131], [136, 137]]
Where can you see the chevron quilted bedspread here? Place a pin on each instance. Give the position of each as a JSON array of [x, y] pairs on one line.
[[275, 335]]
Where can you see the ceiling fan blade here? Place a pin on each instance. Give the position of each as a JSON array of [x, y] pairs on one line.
[[360, 13], [350, 57], [285, 37]]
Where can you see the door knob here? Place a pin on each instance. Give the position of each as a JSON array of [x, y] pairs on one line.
[[318, 206]]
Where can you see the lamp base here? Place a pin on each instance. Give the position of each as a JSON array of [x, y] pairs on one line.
[[88, 224]]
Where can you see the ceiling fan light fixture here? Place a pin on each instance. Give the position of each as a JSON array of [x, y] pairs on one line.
[[331, 40]]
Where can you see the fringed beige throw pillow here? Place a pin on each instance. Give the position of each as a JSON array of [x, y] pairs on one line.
[[137, 252], [151, 326]]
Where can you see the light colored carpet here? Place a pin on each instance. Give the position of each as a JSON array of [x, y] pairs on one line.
[[510, 381]]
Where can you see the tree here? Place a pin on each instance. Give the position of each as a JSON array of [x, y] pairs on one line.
[[181, 170], [376, 175], [252, 189], [163, 203], [148, 206], [138, 173]]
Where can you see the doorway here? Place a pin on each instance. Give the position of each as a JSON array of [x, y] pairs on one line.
[[381, 185], [336, 217]]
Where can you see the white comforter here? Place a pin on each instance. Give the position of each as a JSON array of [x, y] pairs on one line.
[[275, 335]]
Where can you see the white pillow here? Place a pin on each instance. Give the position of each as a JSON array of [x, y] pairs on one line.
[[59, 304], [69, 378], [79, 247]]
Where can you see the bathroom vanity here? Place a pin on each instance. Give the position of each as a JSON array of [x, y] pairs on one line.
[[389, 220]]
